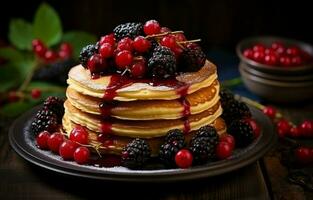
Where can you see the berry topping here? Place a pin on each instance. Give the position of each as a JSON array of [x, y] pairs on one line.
[[169, 41], [96, 64], [54, 141], [191, 59], [86, 53], [67, 149], [151, 27], [125, 44], [123, 58], [55, 104], [42, 139], [130, 30], [183, 159], [242, 132], [223, 150], [107, 39], [141, 44], [138, 69], [79, 135], [45, 120], [106, 50], [81, 155], [135, 154], [162, 64]]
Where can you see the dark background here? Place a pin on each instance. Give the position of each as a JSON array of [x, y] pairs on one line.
[[219, 23]]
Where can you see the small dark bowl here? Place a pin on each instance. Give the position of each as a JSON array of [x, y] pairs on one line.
[[277, 91], [267, 40]]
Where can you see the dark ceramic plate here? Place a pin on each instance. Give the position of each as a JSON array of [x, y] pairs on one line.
[[23, 144]]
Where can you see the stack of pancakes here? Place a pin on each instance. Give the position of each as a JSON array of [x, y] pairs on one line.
[[115, 111]]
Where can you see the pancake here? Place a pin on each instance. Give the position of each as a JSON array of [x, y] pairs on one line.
[[197, 102], [141, 128], [114, 144], [81, 81]]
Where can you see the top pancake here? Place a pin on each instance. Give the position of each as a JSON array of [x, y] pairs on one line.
[[81, 81]]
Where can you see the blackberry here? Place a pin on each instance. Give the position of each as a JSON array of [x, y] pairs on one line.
[[55, 104], [135, 154], [167, 153], [55, 72], [162, 64], [203, 144], [226, 96], [175, 136], [203, 150], [130, 30], [242, 132], [86, 53], [191, 59], [234, 110], [45, 120]]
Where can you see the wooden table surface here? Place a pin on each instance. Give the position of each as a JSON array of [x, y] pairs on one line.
[[264, 179]]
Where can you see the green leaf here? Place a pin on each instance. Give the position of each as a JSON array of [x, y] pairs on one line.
[[21, 33], [16, 108], [24, 67], [8, 78], [79, 39], [10, 54], [47, 25]]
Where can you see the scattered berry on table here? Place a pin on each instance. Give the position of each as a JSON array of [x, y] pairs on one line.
[[304, 155], [270, 111], [306, 128], [283, 127]]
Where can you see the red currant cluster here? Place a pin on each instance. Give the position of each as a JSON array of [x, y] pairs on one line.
[[73, 148], [129, 55], [48, 55], [14, 96], [278, 55], [286, 128]]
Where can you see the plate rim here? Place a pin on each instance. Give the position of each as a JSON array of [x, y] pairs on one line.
[[153, 175]]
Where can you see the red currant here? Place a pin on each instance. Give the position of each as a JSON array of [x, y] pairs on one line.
[[169, 41], [165, 30], [79, 134], [255, 127], [293, 51], [285, 61], [223, 150], [258, 48], [183, 159], [42, 139], [248, 53], [270, 59], [37, 42], [306, 128], [141, 44], [107, 39], [276, 45], [258, 56], [123, 59], [138, 69], [50, 56], [106, 50], [283, 127], [36, 93], [151, 27], [296, 61], [270, 111], [281, 50], [54, 141], [66, 50], [40, 51], [67, 149], [81, 155], [97, 64], [304, 155], [269, 51], [13, 97], [180, 37], [228, 139], [125, 44], [294, 132], [177, 51]]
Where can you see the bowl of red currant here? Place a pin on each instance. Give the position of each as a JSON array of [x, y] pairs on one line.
[[277, 69], [276, 55]]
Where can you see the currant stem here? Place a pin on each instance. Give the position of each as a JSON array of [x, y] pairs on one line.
[[189, 41], [163, 34]]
